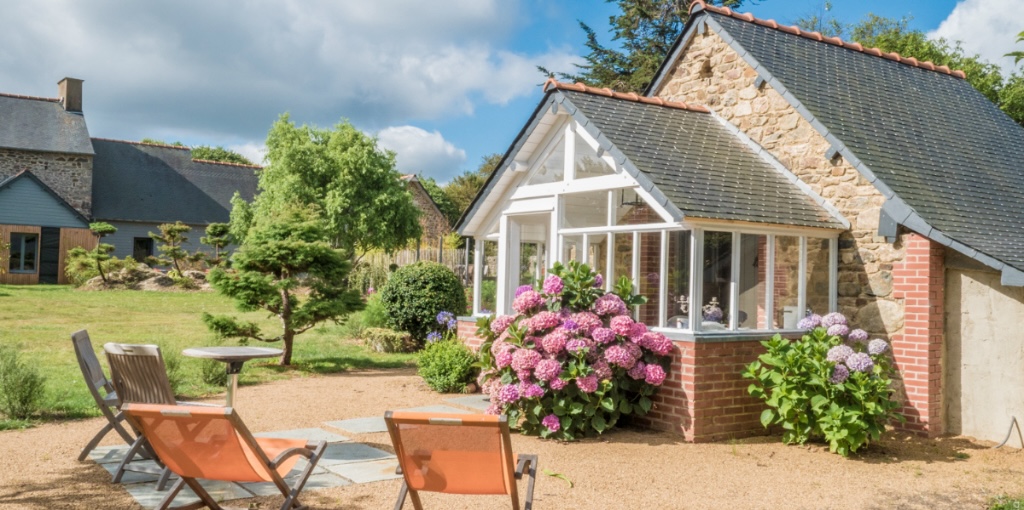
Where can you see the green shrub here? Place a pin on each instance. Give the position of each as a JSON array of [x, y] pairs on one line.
[[447, 366], [372, 316], [416, 293], [80, 268], [387, 340], [21, 385], [367, 277], [213, 372], [826, 387], [175, 370]]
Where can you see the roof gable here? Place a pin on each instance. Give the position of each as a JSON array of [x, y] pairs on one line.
[[154, 183], [40, 124], [26, 200], [947, 160]]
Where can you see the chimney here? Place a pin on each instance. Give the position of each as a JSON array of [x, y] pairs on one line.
[[70, 92]]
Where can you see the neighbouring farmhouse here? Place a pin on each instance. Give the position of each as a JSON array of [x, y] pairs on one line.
[[766, 174], [432, 221], [55, 179]]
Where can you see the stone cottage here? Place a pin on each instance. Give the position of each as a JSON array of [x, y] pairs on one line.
[[55, 179], [432, 221], [769, 172]]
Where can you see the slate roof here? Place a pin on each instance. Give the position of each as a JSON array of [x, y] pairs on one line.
[[155, 183], [699, 164], [949, 161], [41, 124]]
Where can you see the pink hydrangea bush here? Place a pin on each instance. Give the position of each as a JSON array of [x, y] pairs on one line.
[[571, 362]]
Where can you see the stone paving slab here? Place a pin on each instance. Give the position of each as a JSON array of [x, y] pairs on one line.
[[346, 453], [316, 481], [147, 495], [307, 434], [134, 476], [364, 472], [107, 454], [376, 423], [475, 401]]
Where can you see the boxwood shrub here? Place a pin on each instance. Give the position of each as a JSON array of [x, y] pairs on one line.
[[416, 293]]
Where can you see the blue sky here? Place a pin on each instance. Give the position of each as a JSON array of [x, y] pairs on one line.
[[443, 83]]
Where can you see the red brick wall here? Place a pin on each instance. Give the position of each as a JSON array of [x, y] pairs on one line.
[[704, 397], [467, 332], [919, 280]]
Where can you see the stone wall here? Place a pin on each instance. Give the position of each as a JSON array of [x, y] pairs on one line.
[[69, 175], [434, 224], [712, 74]]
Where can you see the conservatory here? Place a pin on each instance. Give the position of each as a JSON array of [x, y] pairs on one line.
[[719, 237]]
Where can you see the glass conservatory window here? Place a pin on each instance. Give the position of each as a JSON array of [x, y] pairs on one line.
[[752, 282], [586, 209], [786, 292], [678, 299], [572, 248], [489, 278], [817, 278], [588, 163], [552, 169], [630, 209], [597, 252], [648, 281], [622, 256], [717, 268]]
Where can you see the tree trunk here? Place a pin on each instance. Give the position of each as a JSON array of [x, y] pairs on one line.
[[288, 335]]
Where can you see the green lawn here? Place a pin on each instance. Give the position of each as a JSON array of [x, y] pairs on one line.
[[40, 320]]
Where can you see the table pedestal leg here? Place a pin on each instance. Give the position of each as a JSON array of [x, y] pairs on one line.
[[234, 368]]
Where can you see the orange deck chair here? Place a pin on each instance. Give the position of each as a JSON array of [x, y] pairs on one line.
[[457, 454], [212, 443]]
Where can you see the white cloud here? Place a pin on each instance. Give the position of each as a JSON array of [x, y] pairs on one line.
[[420, 152], [200, 69], [985, 27], [252, 151]]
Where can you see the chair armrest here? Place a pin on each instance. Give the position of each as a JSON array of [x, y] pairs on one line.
[[306, 452], [197, 404], [524, 462]]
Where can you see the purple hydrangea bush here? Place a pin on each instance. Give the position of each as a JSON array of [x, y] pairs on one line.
[[570, 362], [831, 384]]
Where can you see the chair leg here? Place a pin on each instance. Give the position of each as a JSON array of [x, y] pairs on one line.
[[530, 470], [95, 441], [165, 478], [401, 496], [415, 497], [121, 431], [204, 497], [291, 498], [128, 457]]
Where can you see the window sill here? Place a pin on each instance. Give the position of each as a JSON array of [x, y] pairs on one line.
[[725, 336]]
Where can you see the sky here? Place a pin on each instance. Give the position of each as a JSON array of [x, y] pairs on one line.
[[443, 83]]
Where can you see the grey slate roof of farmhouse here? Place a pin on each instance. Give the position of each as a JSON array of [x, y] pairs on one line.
[[949, 161], [699, 164], [41, 124], [153, 183]]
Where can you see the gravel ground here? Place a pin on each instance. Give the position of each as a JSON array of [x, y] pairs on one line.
[[624, 468]]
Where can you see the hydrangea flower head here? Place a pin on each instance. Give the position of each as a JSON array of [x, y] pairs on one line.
[[609, 304], [503, 359], [655, 374], [620, 356], [839, 374], [657, 342], [587, 322], [558, 383], [810, 322], [502, 323], [587, 384], [547, 369], [523, 288], [543, 321], [553, 285], [839, 353], [832, 319], [858, 335], [576, 345], [530, 390], [877, 346], [603, 335], [554, 342], [637, 331], [527, 301], [838, 330], [602, 370], [570, 325], [508, 394], [860, 362], [551, 422], [525, 360], [639, 371], [621, 325], [598, 280]]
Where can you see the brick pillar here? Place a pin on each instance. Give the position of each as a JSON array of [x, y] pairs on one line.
[[920, 280], [467, 332]]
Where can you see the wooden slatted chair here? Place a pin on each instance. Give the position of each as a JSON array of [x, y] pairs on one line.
[[102, 392], [458, 454], [214, 444]]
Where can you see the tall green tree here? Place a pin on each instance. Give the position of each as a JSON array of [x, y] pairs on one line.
[[642, 35], [1017, 55], [219, 154], [281, 255], [218, 237], [463, 188], [360, 196]]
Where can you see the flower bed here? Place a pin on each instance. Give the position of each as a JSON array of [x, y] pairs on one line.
[[571, 362]]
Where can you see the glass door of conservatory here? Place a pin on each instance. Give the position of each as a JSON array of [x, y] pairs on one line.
[[527, 242]]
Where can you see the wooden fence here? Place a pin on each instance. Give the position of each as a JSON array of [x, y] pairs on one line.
[[455, 259]]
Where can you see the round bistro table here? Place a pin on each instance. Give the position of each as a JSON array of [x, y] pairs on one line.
[[234, 357]]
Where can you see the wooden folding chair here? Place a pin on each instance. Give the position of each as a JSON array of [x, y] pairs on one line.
[[458, 454], [213, 444], [102, 392]]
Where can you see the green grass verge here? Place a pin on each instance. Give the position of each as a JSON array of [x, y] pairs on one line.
[[1007, 503], [39, 320]]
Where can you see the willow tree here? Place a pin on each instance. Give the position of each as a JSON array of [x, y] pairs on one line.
[[285, 267]]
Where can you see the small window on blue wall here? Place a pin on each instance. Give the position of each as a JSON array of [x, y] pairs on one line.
[[142, 248], [24, 251]]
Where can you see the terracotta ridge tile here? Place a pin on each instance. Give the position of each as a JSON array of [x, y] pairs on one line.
[[165, 146], [835, 41], [552, 84], [225, 163], [33, 98]]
